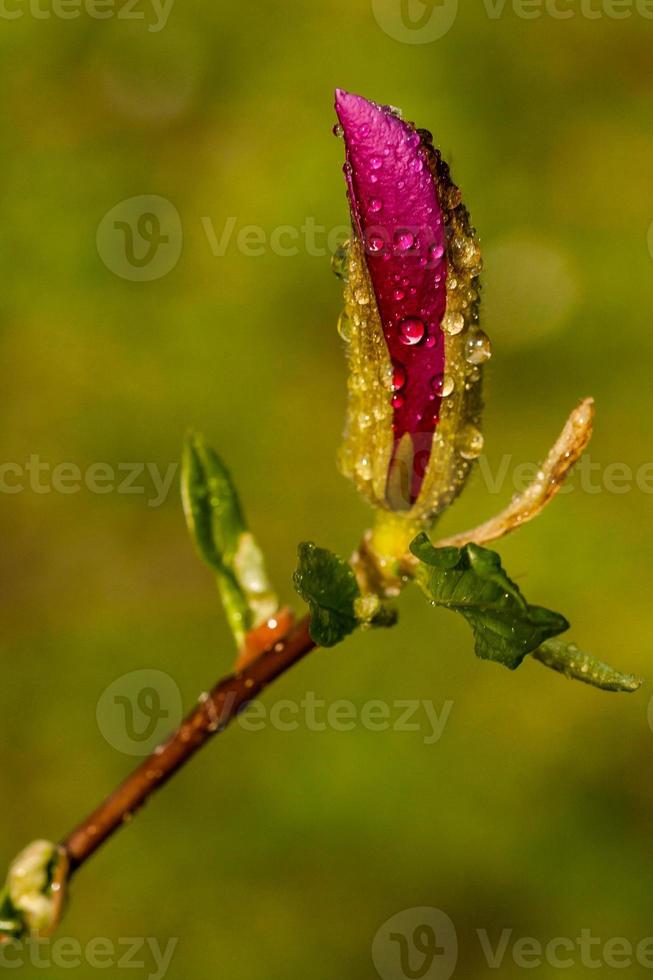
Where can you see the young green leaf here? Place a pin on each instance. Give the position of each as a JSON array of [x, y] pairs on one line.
[[329, 586], [217, 525], [471, 581], [567, 659], [32, 900], [12, 924]]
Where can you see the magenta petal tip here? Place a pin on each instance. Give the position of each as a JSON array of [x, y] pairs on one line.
[[397, 214]]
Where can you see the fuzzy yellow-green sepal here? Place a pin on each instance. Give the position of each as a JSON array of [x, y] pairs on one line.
[[367, 449]]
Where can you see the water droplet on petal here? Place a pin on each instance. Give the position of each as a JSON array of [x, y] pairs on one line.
[[478, 348], [375, 243], [399, 294], [397, 401], [338, 131], [376, 163], [404, 240], [375, 204], [411, 331], [398, 377]]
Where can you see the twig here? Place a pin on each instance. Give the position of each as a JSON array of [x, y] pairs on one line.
[[211, 716]]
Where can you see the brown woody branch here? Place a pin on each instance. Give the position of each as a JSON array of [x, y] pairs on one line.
[[211, 716]]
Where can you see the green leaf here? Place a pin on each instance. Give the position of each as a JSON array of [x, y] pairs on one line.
[[217, 526], [567, 659], [12, 923], [471, 581], [329, 586]]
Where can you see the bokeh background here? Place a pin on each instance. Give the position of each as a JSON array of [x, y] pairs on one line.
[[282, 853]]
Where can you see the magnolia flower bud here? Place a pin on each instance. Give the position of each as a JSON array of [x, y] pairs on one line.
[[411, 317]]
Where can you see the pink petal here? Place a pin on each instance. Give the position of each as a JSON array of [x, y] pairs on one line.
[[397, 215]]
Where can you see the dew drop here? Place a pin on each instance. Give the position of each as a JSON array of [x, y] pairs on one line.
[[467, 255], [375, 243], [478, 348], [375, 204], [436, 251], [404, 240], [453, 323], [340, 261], [397, 401], [399, 294], [398, 378], [471, 442], [411, 331], [448, 386], [376, 163], [338, 131], [344, 327]]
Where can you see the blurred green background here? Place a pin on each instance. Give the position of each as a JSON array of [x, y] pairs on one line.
[[280, 854]]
